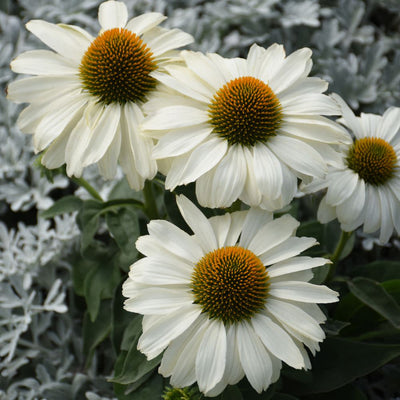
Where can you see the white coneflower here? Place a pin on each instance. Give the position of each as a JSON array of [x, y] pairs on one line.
[[243, 128], [229, 301], [87, 95]]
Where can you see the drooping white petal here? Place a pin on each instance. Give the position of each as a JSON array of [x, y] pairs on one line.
[[295, 318], [351, 208], [341, 186], [277, 341], [139, 146], [112, 14], [254, 357], [198, 223], [302, 291], [211, 356], [54, 156], [267, 171], [102, 134], [298, 155], [372, 209], [109, 162], [386, 217], [203, 158], [250, 195], [326, 212], [167, 327]]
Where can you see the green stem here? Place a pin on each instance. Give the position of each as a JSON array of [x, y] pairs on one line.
[[344, 237], [150, 206], [89, 188]]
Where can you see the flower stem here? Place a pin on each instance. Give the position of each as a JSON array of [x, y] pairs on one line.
[[150, 206], [344, 237], [89, 188]]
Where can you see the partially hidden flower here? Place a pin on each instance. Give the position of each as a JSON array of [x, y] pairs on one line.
[[229, 301], [87, 94], [243, 128], [364, 189]]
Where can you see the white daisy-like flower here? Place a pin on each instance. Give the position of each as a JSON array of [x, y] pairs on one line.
[[364, 189], [87, 95], [243, 128], [229, 301]]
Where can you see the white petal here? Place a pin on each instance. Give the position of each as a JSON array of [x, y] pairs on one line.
[[173, 117], [43, 62], [175, 240], [277, 341], [181, 141], [140, 146], [211, 356], [175, 172], [351, 208], [102, 133], [34, 89], [254, 358], [198, 223], [220, 225], [295, 318], [251, 195], [298, 155], [272, 234], [158, 301], [169, 40], [303, 291], [303, 87], [314, 128], [341, 186], [255, 220], [272, 62], [370, 124], [295, 264], [372, 209], [313, 103], [386, 218], [145, 22], [228, 179], [112, 14], [156, 270], [69, 41], [267, 171], [108, 163], [294, 67], [390, 124], [203, 158], [54, 156], [62, 112], [289, 248], [167, 327], [237, 222], [202, 66], [350, 119], [180, 356], [326, 213]]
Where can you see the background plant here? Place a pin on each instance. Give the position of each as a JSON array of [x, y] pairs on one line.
[[55, 264]]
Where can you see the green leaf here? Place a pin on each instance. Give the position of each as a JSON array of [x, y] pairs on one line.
[[100, 283], [134, 365], [340, 362], [379, 270], [94, 332], [65, 205], [333, 327], [151, 390], [372, 294], [88, 221]]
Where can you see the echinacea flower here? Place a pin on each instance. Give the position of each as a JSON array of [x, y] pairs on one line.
[[364, 189], [243, 128], [87, 95], [229, 301]]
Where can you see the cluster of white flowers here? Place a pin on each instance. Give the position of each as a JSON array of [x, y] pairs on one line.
[[234, 298]]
